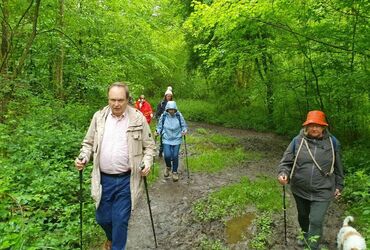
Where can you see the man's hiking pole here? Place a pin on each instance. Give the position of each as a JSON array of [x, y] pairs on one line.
[[284, 208], [186, 156], [80, 198], [81, 201], [148, 201]]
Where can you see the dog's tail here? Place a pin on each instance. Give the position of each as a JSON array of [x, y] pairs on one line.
[[346, 220]]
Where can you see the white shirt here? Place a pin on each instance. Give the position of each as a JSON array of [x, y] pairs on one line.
[[114, 148]]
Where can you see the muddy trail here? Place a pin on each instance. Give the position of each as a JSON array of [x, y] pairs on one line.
[[171, 202]]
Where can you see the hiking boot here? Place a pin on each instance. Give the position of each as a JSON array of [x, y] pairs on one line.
[[301, 243], [107, 245], [167, 172], [175, 176]]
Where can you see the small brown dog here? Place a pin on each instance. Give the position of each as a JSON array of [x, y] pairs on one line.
[[348, 238]]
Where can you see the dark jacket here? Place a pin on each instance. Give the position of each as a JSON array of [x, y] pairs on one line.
[[308, 182], [160, 108]]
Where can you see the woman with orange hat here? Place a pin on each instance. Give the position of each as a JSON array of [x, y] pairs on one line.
[[312, 166]]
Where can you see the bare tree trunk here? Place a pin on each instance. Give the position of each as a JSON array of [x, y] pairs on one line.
[[59, 59], [5, 36], [265, 76], [28, 46], [268, 68], [4, 54]]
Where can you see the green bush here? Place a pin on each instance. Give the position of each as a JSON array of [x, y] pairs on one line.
[[39, 180], [216, 113]]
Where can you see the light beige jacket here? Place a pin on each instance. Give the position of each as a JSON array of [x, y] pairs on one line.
[[141, 148]]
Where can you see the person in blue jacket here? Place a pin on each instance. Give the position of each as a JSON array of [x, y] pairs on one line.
[[171, 127]]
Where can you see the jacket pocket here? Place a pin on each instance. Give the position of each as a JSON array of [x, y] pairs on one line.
[[137, 141]]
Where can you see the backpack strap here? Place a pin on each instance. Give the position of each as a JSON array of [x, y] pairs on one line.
[[334, 140], [317, 165], [163, 118], [333, 144], [296, 155], [178, 117]]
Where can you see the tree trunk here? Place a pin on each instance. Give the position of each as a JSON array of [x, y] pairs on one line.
[[28, 46], [59, 58], [265, 76], [5, 36]]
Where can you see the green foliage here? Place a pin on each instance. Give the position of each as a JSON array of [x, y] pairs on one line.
[[356, 163], [276, 61], [223, 113], [356, 158], [356, 195], [214, 152], [217, 160], [233, 199], [209, 244], [41, 208], [264, 222]]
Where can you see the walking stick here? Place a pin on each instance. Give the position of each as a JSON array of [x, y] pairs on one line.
[[284, 208], [186, 156], [80, 198], [150, 209]]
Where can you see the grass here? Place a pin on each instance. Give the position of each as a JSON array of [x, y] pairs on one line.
[[232, 200], [216, 160], [214, 152]]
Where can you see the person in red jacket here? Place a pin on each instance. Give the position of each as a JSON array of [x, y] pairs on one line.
[[144, 107]]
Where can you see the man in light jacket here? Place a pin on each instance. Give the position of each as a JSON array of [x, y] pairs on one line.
[[119, 140]]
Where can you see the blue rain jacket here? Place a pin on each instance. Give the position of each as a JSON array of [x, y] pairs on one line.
[[170, 127]]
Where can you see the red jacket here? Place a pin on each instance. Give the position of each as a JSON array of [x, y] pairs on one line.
[[146, 109]]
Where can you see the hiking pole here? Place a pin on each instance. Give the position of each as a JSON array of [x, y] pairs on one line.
[[284, 208], [186, 156], [80, 198], [148, 201]]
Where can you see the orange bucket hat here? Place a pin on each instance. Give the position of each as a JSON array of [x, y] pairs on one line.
[[317, 117]]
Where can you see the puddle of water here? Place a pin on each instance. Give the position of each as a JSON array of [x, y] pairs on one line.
[[237, 227]]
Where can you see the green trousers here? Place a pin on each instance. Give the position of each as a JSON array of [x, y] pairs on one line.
[[311, 215]]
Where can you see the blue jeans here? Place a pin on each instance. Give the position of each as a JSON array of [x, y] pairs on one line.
[[114, 209], [171, 156]]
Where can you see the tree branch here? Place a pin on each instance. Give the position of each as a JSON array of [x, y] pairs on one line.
[[64, 34], [30, 40], [290, 30]]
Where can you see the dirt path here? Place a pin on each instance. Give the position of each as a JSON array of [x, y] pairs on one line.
[[171, 202]]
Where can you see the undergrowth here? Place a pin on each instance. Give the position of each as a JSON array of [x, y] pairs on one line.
[[215, 152]]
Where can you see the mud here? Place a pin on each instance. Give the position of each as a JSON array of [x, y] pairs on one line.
[[171, 202]]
